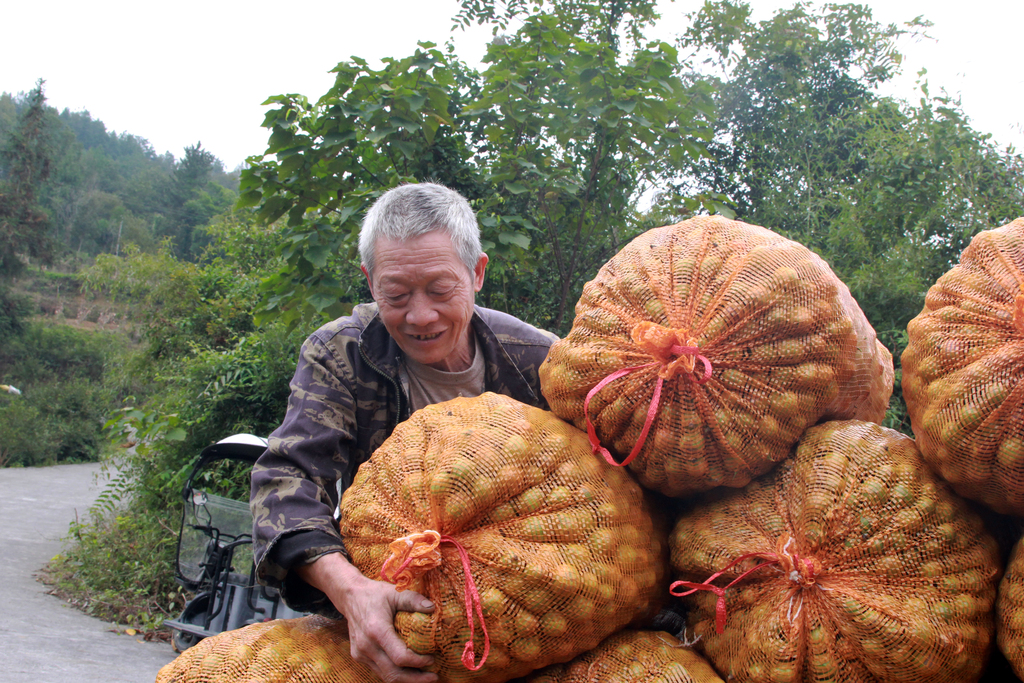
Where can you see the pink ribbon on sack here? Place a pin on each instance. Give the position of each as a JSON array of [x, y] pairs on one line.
[[664, 344], [417, 554]]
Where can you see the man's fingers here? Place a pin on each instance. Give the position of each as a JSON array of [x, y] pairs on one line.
[[398, 652], [370, 607], [411, 601]]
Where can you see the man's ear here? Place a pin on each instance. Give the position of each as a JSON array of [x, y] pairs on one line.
[[478, 272], [369, 282]]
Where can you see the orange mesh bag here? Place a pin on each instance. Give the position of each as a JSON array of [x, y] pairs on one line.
[[963, 371], [632, 657], [850, 562], [531, 549], [1010, 611], [311, 649], [701, 352]]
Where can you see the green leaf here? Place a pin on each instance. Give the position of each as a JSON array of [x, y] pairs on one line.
[[339, 138], [249, 198], [416, 101], [281, 138], [516, 188], [430, 125], [517, 238], [321, 301], [290, 165], [317, 255], [375, 135], [407, 149], [723, 210]]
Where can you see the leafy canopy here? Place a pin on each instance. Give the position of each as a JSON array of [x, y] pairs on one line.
[[553, 144]]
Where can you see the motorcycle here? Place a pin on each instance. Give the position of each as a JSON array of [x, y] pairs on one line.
[[214, 559]]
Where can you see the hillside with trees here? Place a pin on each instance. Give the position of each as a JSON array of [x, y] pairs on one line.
[[103, 189], [575, 136], [71, 191]]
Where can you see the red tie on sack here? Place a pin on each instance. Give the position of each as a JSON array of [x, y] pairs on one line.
[[663, 344], [798, 569], [417, 554]]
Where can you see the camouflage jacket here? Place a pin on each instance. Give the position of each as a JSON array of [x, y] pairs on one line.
[[346, 398]]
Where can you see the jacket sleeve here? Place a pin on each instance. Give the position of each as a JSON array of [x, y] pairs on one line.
[[294, 492]]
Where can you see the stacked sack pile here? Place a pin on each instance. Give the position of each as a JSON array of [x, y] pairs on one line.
[[727, 368], [704, 354]]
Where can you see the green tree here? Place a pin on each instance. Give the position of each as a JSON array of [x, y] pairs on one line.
[[570, 133], [193, 199], [553, 144], [24, 226], [789, 105], [60, 370], [887, 192], [8, 115]]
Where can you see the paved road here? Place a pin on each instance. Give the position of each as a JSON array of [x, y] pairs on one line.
[[42, 639]]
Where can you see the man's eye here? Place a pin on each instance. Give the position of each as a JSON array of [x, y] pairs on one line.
[[395, 299], [441, 292]]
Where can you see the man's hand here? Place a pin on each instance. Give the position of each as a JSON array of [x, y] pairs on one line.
[[369, 607]]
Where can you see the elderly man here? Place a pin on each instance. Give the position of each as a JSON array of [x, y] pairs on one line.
[[422, 342]]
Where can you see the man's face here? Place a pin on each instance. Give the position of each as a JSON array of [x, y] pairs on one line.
[[425, 296]]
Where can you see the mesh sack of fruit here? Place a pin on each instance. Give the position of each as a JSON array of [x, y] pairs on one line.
[[850, 562], [963, 369], [310, 649], [702, 351], [1010, 611], [632, 657], [530, 548]]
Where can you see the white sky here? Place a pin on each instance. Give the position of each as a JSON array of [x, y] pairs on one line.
[[182, 72]]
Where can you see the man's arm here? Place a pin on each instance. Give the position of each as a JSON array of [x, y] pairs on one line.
[[293, 495]]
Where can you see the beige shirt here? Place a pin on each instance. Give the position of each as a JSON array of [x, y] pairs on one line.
[[429, 385]]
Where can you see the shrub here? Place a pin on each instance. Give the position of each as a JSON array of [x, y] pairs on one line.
[[21, 444], [59, 416], [14, 309]]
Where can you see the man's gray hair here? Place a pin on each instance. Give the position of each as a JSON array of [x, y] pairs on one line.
[[410, 210]]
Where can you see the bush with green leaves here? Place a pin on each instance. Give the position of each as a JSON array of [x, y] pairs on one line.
[[64, 401], [209, 395], [14, 310], [20, 444], [212, 371]]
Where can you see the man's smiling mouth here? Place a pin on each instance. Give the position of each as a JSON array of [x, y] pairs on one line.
[[426, 337]]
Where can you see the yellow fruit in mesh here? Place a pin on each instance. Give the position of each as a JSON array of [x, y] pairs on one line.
[[632, 657], [310, 649], [562, 549], [1010, 611], [872, 568], [749, 337], [963, 371]]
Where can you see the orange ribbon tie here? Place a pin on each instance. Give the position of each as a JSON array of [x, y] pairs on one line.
[[672, 356], [414, 555]]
